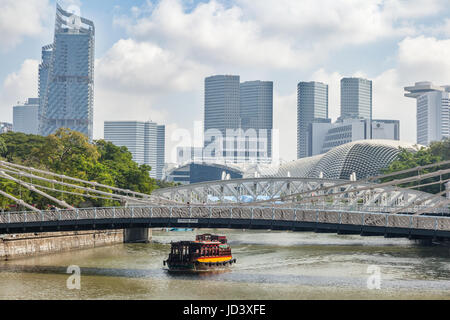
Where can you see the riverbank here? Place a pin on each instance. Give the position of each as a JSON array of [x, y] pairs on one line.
[[30, 244]]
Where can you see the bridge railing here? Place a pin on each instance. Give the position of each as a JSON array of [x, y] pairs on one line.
[[304, 214]]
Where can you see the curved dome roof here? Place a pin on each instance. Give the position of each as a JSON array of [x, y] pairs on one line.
[[364, 157]]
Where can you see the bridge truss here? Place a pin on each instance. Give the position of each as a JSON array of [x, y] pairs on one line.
[[368, 195]]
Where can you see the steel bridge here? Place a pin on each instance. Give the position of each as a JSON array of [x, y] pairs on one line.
[[339, 220], [366, 207]]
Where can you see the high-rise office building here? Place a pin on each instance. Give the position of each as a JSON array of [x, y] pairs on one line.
[[356, 98], [257, 114], [144, 140], [160, 150], [222, 111], [433, 111], [66, 76], [44, 70], [242, 113], [312, 106], [25, 117]]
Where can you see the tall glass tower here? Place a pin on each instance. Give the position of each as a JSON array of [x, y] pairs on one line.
[[312, 106], [257, 113], [66, 76], [222, 110], [356, 98]]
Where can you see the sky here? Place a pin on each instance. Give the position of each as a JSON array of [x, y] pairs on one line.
[[152, 56]]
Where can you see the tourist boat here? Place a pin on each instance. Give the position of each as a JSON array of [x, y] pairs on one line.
[[207, 252]]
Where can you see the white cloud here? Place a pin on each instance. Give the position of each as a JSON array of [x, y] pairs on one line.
[[145, 67], [18, 86], [424, 58], [20, 18], [215, 34], [329, 24], [272, 34]]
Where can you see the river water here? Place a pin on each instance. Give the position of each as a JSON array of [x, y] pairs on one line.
[[270, 265]]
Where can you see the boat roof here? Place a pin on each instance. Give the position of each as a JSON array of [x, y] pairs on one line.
[[199, 242]]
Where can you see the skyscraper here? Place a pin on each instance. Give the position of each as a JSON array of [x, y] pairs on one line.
[[144, 140], [160, 150], [44, 70], [66, 76], [222, 107], [433, 111], [25, 117], [312, 106], [257, 113], [356, 98]]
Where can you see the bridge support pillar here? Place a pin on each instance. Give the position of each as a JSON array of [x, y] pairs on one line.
[[137, 235]]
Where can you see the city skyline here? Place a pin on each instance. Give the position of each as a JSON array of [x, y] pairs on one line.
[[383, 51]]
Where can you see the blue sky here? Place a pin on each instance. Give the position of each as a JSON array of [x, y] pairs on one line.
[[152, 56]]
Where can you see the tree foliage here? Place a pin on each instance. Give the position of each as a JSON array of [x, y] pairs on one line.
[[2, 147], [437, 152], [69, 153]]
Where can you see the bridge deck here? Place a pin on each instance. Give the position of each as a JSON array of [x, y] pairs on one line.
[[296, 219]]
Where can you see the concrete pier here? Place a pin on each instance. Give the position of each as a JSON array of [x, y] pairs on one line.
[[137, 235]]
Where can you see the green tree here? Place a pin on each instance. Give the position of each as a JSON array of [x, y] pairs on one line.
[[69, 153], [3, 148], [437, 152]]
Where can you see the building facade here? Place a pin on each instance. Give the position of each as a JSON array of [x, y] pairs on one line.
[[433, 111], [66, 76], [356, 98], [326, 136], [188, 154], [385, 129], [5, 127], [222, 113], [312, 106], [160, 151], [144, 140], [196, 172], [25, 117]]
